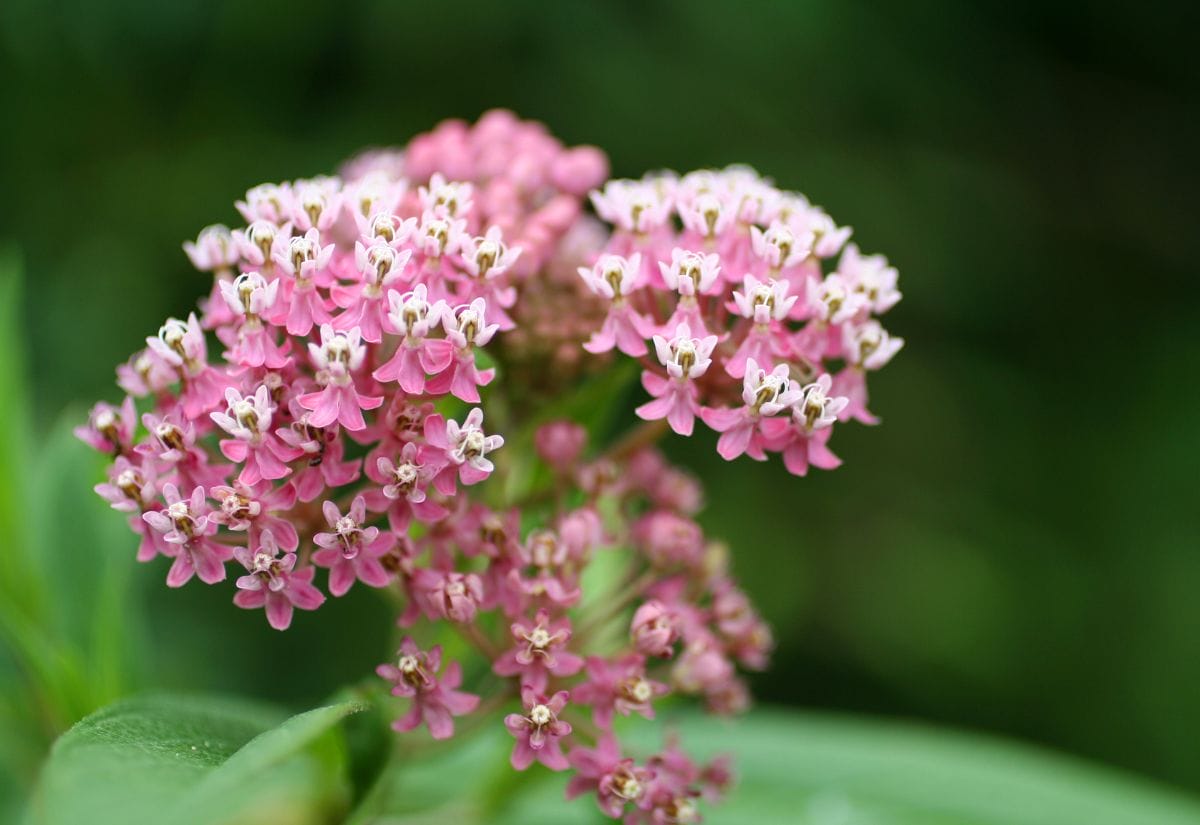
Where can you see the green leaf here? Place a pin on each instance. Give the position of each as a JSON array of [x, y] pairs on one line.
[[196, 761], [808, 769]]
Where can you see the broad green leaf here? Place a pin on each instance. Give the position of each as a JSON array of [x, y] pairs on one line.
[[805, 769], [195, 760]]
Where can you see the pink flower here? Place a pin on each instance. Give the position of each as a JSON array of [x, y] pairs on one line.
[[559, 443], [654, 630], [487, 257], [412, 317], [668, 539], [351, 551], [404, 489], [444, 198], [252, 344], [257, 510], [273, 582], [618, 685], [129, 488], [463, 449], [248, 420], [324, 450], [869, 346], [615, 278], [174, 446], [435, 702], [632, 205], [337, 357], [182, 346], [779, 247], [466, 328], [675, 397], [314, 204], [538, 730], [831, 300], [767, 304], [454, 596], [691, 273], [764, 394], [802, 439], [213, 250], [263, 202], [187, 529], [614, 780], [300, 305], [259, 242], [110, 429], [439, 234], [539, 652], [551, 580], [364, 304], [871, 277], [144, 374]]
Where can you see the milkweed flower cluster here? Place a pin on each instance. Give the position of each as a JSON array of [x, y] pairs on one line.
[[748, 296], [322, 422]]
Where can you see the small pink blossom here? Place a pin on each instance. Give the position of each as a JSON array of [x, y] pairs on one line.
[[538, 730], [256, 509], [351, 551], [454, 596], [213, 250], [252, 344], [669, 539], [365, 304], [337, 358], [187, 529], [248, 420], [559, 443], [488, 256], [803, 438], [691, 273], [675, 397], [466, 328], [413, 317], [779, 246], [764, 394], [616, 781], [110, 429], [539, 652], [182, 346], [404, 491], [654, 630], [273, 582], [434, 701], [464, 449], [615, 278], [620, 686], [129, 488]]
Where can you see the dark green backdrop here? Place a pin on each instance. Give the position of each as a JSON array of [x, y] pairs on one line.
[[1016, 549]]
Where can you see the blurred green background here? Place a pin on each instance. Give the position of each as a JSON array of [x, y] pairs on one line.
[[1016, 550]]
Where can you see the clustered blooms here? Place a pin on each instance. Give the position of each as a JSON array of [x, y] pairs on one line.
[[323, 411], [720, 266]]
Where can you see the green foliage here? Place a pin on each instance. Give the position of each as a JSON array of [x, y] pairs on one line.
[[203, 761], [808, 769], [196, 761]]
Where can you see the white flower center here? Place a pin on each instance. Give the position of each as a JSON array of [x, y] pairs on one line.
[[541, 715], [640, 691], [473, 444]]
